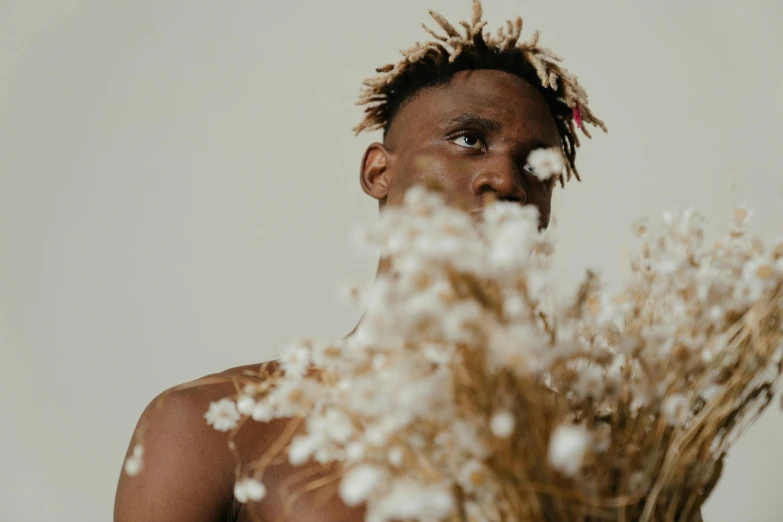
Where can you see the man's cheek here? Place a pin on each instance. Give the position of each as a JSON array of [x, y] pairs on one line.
[[450, 173], [426, 165]]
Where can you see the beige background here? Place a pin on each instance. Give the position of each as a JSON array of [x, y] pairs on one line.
[[178, 185]]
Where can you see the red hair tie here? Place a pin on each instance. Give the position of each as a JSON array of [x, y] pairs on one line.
[[578, 116]]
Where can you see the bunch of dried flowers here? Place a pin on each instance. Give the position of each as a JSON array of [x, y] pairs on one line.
[[468, 393]]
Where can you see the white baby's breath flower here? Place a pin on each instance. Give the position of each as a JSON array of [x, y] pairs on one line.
[[711, 391], [438, 353], [408, 500], [546, 163], [377, 434], [510, 232], [262, 411], [716, 313], [396, 456], [302, 448], [591, 382], [503, 213], [777, 355], [502, 424], [295, 361], [358, 483], [338, 426], [135, 461], [418, 197], [133, 465], [245, 404], [250, 389], [355, 451], [460, 321], [676, 409], [222, 415], [379, 361], [758, 275], [292, 396], [567, 449], [249, 489]]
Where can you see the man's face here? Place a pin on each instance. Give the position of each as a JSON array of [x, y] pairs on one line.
[[471, 137]]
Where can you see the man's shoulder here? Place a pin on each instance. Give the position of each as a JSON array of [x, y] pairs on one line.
[[211, 387], [184, 457], [179, 412], [188, 402]]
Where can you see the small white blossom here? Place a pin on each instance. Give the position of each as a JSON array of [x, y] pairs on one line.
[[249, 489], [302, 448], [376, 435], [133, 465], [338, 426], [513, 306], [591, 382], [676, 409], [502, 424], [250, 389], [262, 412], [711, 391], [758, 275], [407, 500], [567, 449], [396, 456], [292, 396], [355, 451], [245, 404], [296, 361], [222, 415], [546, 163], [358, 484], [135, 462], [419, 198]]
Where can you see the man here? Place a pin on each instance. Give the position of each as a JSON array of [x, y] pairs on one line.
[[463, 112]]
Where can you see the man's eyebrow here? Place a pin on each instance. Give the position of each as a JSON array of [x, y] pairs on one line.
[[467, 119]]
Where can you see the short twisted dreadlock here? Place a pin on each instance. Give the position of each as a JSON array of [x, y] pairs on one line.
[[435, 63]]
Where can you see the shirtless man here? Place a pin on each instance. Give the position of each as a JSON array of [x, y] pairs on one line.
[[463, 113]]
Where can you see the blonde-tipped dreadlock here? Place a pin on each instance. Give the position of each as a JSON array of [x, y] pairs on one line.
[[433, 62]]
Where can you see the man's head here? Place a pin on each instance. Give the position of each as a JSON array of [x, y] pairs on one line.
[[465, 112]]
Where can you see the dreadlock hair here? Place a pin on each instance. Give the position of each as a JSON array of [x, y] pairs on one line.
[[434, 63]]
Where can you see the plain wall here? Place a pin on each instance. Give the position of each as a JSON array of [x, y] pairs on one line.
[[179, 184]]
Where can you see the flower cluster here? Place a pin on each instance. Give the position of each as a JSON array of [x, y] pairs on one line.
[[467, 393]]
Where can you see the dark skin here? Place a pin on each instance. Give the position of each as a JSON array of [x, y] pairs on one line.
[[472, 136]]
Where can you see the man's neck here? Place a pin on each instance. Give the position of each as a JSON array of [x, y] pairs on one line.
[[384, 265]]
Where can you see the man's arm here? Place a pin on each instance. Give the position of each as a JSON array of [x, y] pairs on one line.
[[188, 471]]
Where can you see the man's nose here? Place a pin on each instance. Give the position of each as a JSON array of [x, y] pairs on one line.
[[501, 176]]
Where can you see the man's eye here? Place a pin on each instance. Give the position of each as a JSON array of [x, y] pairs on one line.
[[527, 168], [470, 141]]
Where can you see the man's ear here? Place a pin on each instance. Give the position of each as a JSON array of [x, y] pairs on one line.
[[375, 171]]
